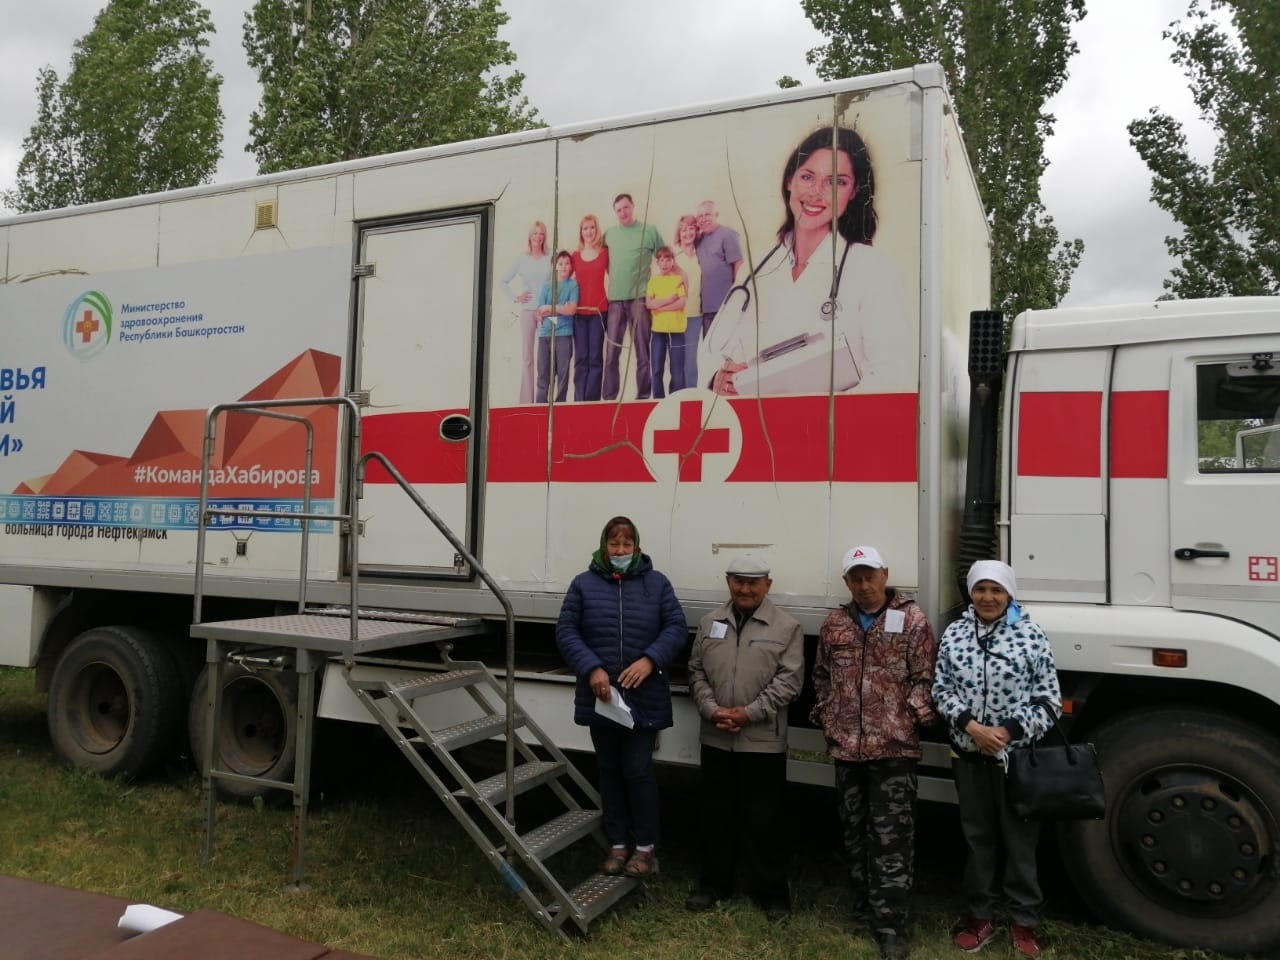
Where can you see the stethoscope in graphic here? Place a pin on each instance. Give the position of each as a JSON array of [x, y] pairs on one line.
[[827, 311]]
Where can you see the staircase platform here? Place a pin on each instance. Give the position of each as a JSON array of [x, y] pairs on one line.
[[322, 633]]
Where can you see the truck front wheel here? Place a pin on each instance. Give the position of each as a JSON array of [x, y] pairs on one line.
[[259, 720], [1189, 852], [115, 702]]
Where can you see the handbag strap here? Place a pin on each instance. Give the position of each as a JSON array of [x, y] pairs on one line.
[[1045, 705]]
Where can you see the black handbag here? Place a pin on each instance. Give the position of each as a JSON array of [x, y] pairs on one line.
[[1057, 782]]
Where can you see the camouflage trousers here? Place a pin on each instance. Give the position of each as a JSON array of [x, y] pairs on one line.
[[876, 801]]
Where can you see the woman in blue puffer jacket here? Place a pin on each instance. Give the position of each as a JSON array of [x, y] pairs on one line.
[[620, 628]]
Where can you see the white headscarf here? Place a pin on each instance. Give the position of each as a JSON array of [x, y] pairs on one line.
[[996, 572]]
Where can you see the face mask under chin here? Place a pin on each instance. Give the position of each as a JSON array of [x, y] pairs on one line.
[[621, 563]]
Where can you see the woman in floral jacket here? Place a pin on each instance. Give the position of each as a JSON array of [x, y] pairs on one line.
[[995, 683]]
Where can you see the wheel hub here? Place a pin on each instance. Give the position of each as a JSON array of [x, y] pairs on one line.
[[102, 701], [1198, 838]]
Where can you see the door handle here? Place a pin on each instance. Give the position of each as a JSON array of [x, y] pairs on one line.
[[1194, 553]]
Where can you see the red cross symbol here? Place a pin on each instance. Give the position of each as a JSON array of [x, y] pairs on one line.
[[691, 441], [1263, 568], [87, 327]]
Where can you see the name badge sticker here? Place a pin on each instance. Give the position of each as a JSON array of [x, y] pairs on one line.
[[894, 621]]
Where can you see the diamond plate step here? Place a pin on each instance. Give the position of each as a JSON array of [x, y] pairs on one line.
[[526, 776], [421, 685], [596, 894], [470, 731], [554, 835]]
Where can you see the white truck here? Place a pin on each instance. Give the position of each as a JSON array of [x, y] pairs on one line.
[[1137, 477]]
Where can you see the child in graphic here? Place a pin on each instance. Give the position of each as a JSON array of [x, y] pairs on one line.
[[555, 333], [665, 299]]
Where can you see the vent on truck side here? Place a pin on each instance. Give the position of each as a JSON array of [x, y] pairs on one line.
[[264, 216]]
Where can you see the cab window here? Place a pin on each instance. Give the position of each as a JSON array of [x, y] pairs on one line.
[[1238, 415]]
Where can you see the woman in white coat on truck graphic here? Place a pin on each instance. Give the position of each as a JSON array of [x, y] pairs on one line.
[[800, 320]]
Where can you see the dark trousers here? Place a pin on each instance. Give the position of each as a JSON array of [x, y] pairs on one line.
[[628, 788], [588, 355], [741, 826], [1002, 848], [876, 801], [562, 347], [660, 344], [634, 316]]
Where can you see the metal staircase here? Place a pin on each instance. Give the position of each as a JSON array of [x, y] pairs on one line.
[[485, 808], [304, 641]]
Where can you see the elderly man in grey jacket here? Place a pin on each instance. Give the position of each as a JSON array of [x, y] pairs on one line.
[[746, 666]]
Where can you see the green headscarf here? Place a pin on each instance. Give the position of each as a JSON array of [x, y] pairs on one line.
[[601, 556]]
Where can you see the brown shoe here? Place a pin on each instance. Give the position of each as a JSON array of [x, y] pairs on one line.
[[1025, 941], [615, 862], [643, 863]]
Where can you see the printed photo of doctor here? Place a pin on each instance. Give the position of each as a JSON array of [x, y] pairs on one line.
[[795, 321]]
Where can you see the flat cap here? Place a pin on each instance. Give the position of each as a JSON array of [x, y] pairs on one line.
[[748, 565]]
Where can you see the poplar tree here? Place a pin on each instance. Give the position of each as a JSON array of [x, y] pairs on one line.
[[138, 111], [1229, 207], [352, 78], [1004, 59]]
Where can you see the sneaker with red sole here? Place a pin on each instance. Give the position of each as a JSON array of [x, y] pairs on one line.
[[1025, 941], [975, 933]]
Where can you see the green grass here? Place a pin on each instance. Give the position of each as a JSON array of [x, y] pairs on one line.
[[391, 875]]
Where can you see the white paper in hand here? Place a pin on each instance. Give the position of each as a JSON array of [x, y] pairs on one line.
[[616, 709]]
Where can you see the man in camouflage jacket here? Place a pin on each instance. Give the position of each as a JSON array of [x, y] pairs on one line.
[[872, 679]]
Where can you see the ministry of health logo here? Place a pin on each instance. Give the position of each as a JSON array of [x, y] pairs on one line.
[[86, 329]]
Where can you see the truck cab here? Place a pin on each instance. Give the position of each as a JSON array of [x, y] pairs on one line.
[[1141, 509]]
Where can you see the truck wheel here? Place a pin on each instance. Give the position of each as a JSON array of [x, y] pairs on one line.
[[115, 702], [259, 726], [1189, 852]]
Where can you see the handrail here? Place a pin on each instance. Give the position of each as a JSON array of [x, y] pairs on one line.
[[507, 609], [265, 408]]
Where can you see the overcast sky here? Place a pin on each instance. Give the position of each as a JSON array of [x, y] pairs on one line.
[[681, 52]]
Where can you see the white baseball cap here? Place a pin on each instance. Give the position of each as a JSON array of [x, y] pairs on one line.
[[863, 557]]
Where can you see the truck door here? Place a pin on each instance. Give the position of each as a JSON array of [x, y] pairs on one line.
[[418, 348], [1224, 477]]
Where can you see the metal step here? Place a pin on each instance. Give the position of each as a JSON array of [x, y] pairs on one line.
[[554, 835], [421, 685], [526, 776], [596, 894], [400, 616], [470, 731]]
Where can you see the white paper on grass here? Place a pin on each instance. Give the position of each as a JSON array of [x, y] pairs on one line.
[[143, 918], [616, 709]]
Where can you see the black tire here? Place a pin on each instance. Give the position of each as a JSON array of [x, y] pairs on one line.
[[1188, 851], [115, 702], [259, 721]]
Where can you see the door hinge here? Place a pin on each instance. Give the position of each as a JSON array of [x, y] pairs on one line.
[[365, 270], [346, 528], [360, 398]]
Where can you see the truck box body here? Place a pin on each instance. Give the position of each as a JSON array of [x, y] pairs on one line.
[[123, 322]]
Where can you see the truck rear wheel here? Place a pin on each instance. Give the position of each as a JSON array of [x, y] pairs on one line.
[[259, 723], [1188, 852], [115, 702]]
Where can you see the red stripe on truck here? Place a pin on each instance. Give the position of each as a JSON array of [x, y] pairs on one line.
[[1060, 434], [784, 440], [1140, 434]]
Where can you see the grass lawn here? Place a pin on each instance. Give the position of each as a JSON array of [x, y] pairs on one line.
[[391, 875]]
